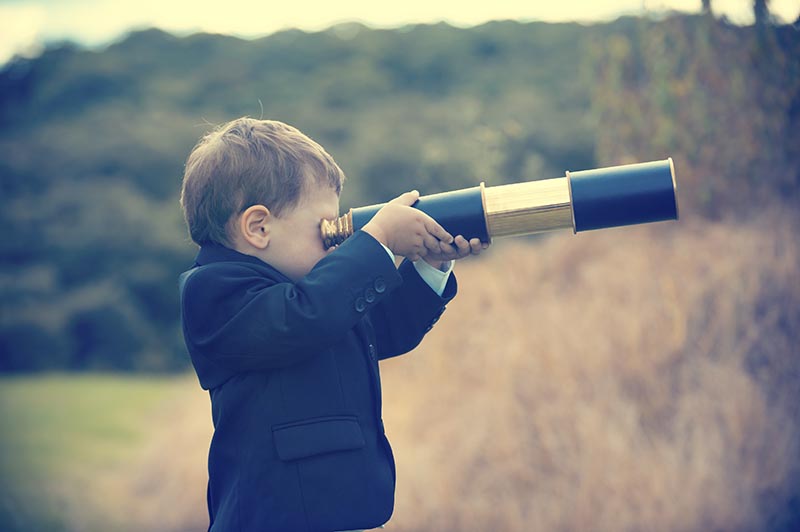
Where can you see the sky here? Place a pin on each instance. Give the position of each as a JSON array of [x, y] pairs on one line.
[[26, 25]]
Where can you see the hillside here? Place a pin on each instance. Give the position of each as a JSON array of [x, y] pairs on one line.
[[92, 144]]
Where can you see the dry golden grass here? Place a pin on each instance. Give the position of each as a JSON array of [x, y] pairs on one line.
[[629, 379]]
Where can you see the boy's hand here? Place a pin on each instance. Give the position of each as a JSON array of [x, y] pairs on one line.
[[407, 231], [458, 250]]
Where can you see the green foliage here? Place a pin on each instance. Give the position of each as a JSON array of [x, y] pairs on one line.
[[92, 143]]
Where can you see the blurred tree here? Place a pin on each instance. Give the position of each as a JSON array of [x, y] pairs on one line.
[[707, 94], [761, 12], [104, 339], [26, 347]]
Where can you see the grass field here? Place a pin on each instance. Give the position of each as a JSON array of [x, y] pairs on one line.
[[631, 379], [69, 443]]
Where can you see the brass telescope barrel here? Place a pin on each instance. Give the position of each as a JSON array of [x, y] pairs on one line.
[[585, 200]]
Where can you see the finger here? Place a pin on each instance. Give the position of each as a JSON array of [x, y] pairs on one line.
[[408, 198], [433, 227], [431, 242], [462, 245], [447, 251], [476, 246]]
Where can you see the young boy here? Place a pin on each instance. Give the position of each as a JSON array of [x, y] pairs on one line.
[[286, 335]]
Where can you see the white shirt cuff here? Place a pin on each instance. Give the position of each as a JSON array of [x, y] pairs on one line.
[[433, 277]]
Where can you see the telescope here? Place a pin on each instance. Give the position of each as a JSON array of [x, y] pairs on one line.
[[585, 200]]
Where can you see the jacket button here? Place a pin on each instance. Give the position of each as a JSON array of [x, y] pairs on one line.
[[380, 285], [369, 295], [360, 304], [372, 353]]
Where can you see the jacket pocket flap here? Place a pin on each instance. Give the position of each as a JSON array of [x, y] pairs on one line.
[[317, 436]]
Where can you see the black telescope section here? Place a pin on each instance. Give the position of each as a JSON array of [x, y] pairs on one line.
[[460, 212], [585, 200], [623, 195]]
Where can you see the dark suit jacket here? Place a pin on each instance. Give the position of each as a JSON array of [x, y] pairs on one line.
[[292, 370]]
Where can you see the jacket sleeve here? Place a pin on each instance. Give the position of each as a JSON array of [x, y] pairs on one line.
[[403, 318], [238, 319]]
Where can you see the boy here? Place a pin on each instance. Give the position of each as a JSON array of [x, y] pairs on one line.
[[286, 335]]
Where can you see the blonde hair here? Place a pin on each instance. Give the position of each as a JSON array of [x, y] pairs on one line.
[[250, 162]]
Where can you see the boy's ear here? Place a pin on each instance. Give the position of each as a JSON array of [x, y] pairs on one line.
[[254, 226]]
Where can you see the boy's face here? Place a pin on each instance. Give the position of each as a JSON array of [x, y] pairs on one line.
[[295, 244]]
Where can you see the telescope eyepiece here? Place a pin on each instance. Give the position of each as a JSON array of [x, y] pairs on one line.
[[337, 230]]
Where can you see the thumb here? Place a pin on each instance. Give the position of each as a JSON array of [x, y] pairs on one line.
[[409, 198]]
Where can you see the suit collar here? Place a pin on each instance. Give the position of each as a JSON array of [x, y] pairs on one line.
[[211, 253]]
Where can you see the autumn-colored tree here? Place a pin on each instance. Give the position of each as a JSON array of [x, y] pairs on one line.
[[761, 12], [718, 99]]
